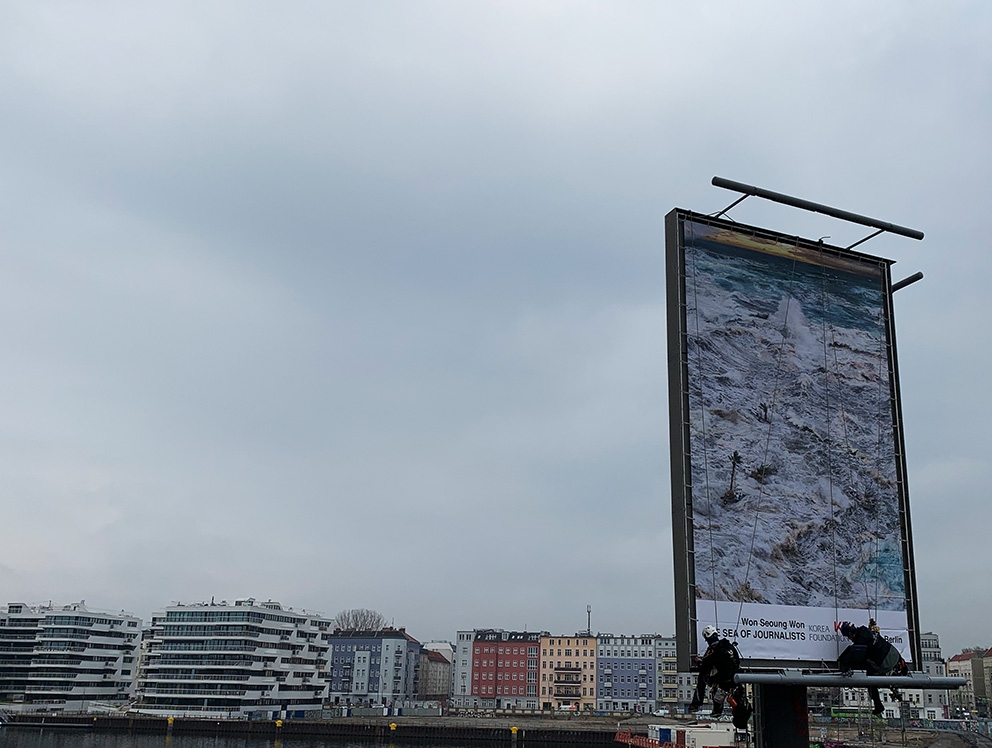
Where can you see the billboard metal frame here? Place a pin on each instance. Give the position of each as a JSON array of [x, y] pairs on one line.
[[679, 425]]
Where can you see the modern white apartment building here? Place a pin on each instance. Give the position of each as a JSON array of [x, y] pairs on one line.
[[244, 658], [64, 657]]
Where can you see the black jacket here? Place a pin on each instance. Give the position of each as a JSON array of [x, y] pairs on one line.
[[880, 657], [720, 662]]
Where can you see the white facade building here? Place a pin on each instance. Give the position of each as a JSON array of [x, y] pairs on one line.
[[666, 672], [64, 657], [445, 648], [245, 658], [461, 669], [934, 704], [686, 688]]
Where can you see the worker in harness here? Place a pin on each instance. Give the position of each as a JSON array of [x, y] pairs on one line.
[[869, 651], [717, 668]]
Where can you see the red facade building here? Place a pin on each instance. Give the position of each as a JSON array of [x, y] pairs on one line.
[[505, 668]]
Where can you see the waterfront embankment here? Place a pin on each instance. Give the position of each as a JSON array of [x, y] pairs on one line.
[[502, 730]]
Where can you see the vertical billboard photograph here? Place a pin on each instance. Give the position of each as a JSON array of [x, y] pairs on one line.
[[788, 490]]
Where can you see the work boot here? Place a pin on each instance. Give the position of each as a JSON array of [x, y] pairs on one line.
[[878, 710], [695, 704], [717, 708]]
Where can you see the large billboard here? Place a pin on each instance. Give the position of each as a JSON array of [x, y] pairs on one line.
[[788, 472]]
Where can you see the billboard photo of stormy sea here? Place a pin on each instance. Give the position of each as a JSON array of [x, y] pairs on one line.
[[793, 466]]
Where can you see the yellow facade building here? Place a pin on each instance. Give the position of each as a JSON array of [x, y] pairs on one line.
[[568, 672]]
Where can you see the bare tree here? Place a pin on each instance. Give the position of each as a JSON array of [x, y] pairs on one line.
[[360, 619]]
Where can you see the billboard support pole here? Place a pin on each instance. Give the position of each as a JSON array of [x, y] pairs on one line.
[[781, 716], [736, 202], [854, 680], [864, 239], [798, 202], [906, 281]]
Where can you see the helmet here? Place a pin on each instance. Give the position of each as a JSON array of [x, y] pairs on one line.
[[847, 628], [710, 632]]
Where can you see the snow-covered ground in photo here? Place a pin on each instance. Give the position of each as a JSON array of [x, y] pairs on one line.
[[788, 368]]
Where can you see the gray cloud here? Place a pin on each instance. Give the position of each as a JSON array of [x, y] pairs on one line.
[[299, 304]]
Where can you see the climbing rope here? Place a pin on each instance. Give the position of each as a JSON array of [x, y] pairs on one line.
[[880, 401], [826, 407]]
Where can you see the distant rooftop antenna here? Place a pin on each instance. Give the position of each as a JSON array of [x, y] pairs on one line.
[[589, 620]]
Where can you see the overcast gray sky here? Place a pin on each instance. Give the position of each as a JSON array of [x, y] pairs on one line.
[[361, 304]]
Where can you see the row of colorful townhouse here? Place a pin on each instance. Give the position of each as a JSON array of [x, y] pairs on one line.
[[497, 669], [520, 670]]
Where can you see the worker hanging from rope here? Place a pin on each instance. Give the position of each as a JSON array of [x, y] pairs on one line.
[[717, 668], [869, 651]]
